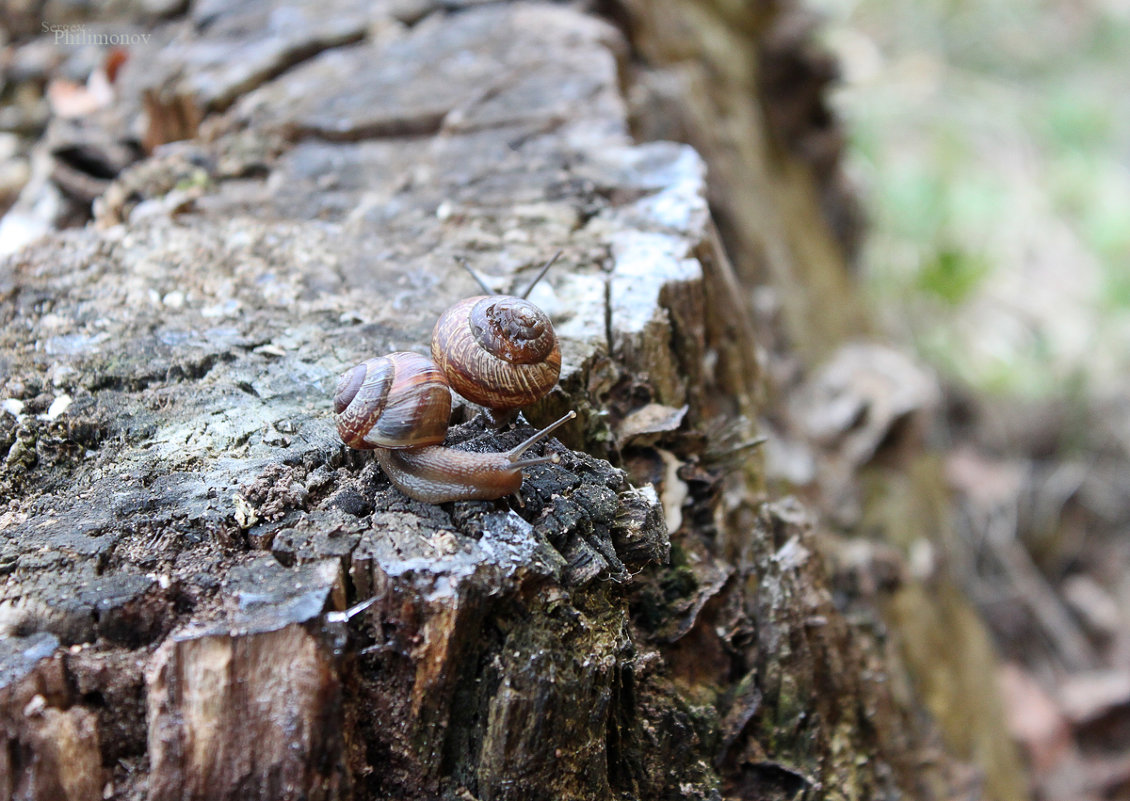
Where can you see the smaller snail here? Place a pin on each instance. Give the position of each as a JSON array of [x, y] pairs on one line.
[[396, 401], [398, 405], [499, 351]]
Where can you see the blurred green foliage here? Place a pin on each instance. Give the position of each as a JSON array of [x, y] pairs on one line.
[[991, 141]]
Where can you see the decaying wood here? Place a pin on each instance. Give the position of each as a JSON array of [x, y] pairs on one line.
[[184, 528]]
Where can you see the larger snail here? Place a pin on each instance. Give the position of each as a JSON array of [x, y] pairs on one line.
[[499, 351], [398, 405]]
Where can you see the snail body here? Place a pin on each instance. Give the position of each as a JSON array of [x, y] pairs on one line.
[[436, 474], [399, 405]]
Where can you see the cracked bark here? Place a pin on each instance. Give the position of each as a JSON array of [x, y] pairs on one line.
[[184, 529]]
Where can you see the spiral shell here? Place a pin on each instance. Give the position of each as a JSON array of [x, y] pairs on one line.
[[499, 352], [396, 401]]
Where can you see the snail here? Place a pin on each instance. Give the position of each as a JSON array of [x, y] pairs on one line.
[[398, 405], [499, 351]]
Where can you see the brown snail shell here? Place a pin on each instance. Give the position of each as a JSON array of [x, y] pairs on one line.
[[396, 401], [497, 351]]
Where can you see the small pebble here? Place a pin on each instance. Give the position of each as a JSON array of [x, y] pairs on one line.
[[58, 407]]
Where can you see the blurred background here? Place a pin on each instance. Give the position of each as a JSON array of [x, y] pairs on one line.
[[992, 140], [991, 144]]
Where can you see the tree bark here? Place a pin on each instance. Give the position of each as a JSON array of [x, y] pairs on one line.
[[184, 530]]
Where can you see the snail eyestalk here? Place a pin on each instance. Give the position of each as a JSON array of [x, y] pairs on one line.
[[540, 275], [514, 454], [553, 458], [462, 262]]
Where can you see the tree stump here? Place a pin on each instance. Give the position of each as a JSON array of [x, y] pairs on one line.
[[185, 532]]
